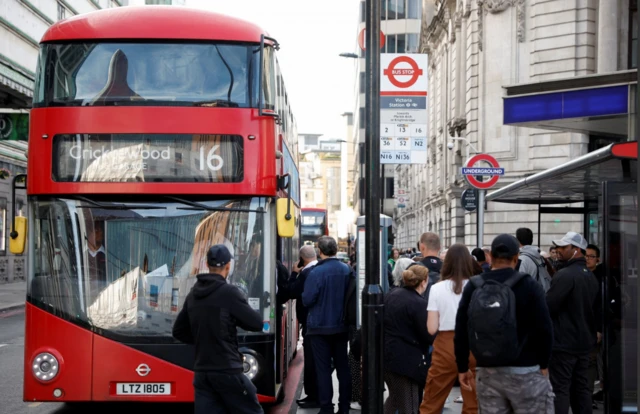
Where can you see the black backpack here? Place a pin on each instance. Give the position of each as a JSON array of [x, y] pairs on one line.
[[492, 325], [350, 310]]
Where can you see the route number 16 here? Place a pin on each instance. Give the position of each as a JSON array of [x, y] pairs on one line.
[[214, 162]]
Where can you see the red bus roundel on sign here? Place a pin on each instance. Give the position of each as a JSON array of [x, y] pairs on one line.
[[482, 185], [391, 72]]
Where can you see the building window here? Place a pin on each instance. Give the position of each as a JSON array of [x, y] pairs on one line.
[[633, 34], [62, 12], [402, 43], [412, 43], [388, 187], [390, 44], [361, 117], [362, 12], [383, 9], [363, 83], [414, 9]]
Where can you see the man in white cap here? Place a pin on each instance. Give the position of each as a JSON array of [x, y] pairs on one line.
[[575, 311]]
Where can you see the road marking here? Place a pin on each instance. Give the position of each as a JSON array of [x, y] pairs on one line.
[[34, 405]]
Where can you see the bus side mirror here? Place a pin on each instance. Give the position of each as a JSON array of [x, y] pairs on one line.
[[18, 235], [17, 243], [284, 218]]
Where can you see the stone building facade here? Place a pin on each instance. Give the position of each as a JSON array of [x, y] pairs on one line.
[[476, 48]]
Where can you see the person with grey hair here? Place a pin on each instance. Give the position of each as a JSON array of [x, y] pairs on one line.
[[301, 270], [401, 266], [324, 294]]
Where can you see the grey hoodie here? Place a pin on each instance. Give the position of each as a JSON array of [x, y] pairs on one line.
[[531, 262]]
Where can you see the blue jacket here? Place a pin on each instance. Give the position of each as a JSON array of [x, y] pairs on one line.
[[323, 295]]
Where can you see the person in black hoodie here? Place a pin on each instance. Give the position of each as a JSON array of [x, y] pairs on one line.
[[575, 310], [508, 385], [209, 319]]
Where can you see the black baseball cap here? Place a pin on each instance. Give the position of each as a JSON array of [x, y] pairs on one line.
[[218, 255], [504, 246]]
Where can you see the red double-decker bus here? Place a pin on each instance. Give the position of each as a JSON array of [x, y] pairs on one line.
[[155, 133], [314, 224]]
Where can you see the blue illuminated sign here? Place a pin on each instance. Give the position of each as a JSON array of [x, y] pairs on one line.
[[612, 100]]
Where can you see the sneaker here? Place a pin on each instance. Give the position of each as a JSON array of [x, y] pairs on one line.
[[458, 400], [356, 406]]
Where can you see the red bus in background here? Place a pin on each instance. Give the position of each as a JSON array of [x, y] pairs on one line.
[[314, 224], [159, 131]]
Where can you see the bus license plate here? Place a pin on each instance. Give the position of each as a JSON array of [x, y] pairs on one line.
[[138, 388]]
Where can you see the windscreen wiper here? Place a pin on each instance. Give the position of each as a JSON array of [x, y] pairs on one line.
[[217, 103], [199, 206], [107, 206]]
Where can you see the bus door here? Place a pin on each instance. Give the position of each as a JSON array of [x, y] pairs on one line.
[[619, 207]]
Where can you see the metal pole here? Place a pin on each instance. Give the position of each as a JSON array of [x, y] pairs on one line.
[[480, 217], [372, 305]]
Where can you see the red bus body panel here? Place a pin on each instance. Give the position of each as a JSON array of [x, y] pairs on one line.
[[159, 120], [71, 344], [81, 353], [162, 23]]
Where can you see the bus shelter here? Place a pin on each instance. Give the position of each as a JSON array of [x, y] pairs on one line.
[[601, 187]]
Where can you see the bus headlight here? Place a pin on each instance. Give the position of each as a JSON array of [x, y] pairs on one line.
[[45, 366], [250, 366]]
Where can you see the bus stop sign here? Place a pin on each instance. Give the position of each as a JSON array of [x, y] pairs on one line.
[[471, 172]]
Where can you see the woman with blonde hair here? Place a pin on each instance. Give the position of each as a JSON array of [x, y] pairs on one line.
[[444, 298], [406, 342]]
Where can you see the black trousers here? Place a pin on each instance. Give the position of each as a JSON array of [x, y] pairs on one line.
[[224, 393], [569, 375], [326, 347], [310, 375]]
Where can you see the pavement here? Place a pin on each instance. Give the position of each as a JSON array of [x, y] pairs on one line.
[[12, 295]]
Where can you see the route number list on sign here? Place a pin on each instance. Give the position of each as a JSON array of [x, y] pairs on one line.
[[403, 109]]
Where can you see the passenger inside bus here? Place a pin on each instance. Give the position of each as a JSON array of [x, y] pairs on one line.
[[96, 258], [117, 87]]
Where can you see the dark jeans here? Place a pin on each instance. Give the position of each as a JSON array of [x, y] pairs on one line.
[[569, 375], [224, 393], [310, 375], [326, 347]]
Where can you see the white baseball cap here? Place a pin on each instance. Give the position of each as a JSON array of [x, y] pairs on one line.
[[572, 238]]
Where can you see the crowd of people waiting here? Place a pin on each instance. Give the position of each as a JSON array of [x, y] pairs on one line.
[[517, 328]]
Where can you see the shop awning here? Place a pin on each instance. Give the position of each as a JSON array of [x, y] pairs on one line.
[[600, 104], [578, 180]]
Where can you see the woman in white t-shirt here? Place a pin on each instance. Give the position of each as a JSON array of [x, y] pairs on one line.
[[442, 308]]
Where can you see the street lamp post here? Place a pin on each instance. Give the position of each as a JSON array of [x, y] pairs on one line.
[[481, 194], [372, 304]]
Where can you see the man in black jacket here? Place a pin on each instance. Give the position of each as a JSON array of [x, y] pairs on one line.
[[519, 385], [209, 319], [308, 260], [575, 310]]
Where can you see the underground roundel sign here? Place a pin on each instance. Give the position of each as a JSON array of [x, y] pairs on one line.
[[472, 172], [392, 72]]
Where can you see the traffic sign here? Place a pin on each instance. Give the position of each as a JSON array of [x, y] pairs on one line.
[[414, 71], [471, 172], [361, 41], [469, 199], [403, 108]]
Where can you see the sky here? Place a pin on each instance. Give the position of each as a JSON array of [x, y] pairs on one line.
[[320, 84]]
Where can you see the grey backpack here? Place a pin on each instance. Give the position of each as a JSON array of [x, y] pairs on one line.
[[541, 276]]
